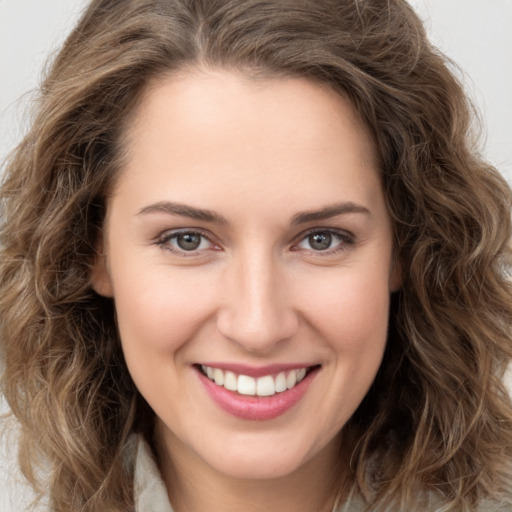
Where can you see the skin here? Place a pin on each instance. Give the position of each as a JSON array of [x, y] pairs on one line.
[[256, 291]]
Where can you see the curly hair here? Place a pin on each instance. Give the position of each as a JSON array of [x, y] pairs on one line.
[[437, 419]]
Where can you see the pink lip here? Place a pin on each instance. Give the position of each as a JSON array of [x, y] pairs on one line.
[[256, 371], [253, 407]]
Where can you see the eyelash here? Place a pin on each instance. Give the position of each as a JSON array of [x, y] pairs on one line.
[[346, 241], [164, 241]]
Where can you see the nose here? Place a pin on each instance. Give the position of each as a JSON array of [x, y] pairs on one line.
[[257, 311]]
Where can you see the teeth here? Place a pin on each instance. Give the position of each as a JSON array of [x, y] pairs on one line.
[[281, 383], [230, 381], [246, 385], [301, 374], [218, 377], [267, 385], [291, 380]]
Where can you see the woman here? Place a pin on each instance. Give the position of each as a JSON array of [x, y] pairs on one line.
[[251, 262]]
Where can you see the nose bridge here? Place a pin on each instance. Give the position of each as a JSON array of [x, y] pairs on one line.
[[258, 312]]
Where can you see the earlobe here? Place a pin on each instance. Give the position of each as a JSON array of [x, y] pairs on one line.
[[100, 277]]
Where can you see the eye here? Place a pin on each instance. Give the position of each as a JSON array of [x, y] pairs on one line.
[[185, 241], [325, 241]]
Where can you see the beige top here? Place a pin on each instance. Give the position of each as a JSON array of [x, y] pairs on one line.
[[151, 494]]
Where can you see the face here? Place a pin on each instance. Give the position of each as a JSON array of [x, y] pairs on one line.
[[249, 254]]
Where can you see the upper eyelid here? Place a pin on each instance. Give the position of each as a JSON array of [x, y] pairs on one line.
[[164, 238], [170, 233], [162, 241], [343, 233], [347, 240]]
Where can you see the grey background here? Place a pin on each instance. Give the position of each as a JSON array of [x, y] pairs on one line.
[[474, 33]]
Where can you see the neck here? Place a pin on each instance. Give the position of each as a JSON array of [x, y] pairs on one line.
[[194, 486]]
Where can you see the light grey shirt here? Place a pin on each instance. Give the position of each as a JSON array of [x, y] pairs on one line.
[[149, 488], [151, 494]]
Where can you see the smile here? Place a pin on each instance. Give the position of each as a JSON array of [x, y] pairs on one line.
[[266, 385], [265, 394]]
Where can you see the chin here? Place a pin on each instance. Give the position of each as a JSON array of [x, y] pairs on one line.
[[257, 468], [266, 459]]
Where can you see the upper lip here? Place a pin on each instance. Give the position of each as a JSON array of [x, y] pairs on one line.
[[256, 371]]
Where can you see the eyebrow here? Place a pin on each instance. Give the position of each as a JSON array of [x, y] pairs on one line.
[[204, 215], [184, 211], [328, 212]]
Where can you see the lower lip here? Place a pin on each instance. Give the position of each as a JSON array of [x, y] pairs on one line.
[[256, 408]]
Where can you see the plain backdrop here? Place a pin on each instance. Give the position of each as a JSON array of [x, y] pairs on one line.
[[475, 34]]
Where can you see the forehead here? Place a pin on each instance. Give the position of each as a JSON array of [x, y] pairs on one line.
[[200, 100], [225, 130]]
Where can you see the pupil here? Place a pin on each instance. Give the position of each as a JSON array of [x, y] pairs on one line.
[[188, 241], [320, 241]]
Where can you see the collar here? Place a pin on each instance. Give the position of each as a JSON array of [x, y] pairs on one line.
[[149, 489]]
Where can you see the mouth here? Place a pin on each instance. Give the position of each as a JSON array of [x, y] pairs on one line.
[[265, 395], [263, 386]]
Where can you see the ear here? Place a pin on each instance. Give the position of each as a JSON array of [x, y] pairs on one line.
[[100, 276]]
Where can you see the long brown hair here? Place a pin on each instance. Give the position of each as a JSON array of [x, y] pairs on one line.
[[437, 419]]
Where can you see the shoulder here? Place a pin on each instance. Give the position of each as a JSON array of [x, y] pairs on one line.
[[16, 494], [502, 506], [427, 502]]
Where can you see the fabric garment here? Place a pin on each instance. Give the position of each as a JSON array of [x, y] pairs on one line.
[[151, 494], [149, 489]]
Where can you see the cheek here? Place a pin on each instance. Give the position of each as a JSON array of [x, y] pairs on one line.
[[351, 308], [161, 312]]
